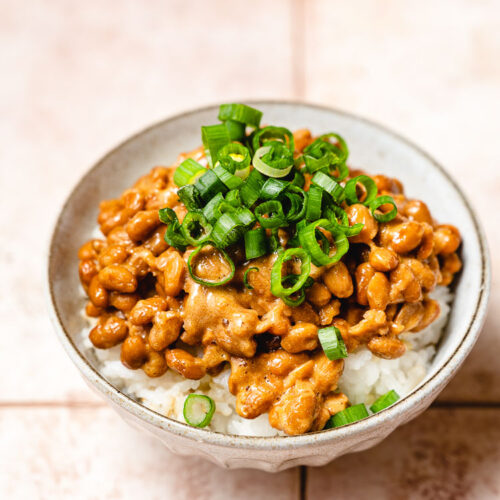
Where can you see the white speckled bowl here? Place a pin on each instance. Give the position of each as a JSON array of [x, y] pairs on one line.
[[373, 148]]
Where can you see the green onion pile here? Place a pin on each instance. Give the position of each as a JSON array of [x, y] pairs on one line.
[[255, 185]]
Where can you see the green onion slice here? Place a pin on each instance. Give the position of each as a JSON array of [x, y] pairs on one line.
[[250, 190], [235, 158], [332, 343], [274, 160], [240, 113], [201, 281], [231, 226], [209, 185], [272, 188], [198, 410], [369, 185], [298, 199], [173, 235], [236, 130], [255, 243], [378, 202], [298, 179], [245, 277], [195, 228], [315, 196], [388, 399], [348, 416], [277, 280], [308, 239], [274, 211], [338, 216], [325, 182], [273, 134], [211, 210], [187, 172], [233, 198], [230, 180], [190, 196], [214, 137], [322, 154]]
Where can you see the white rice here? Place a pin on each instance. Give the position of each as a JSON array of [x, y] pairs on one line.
[[365, 378]]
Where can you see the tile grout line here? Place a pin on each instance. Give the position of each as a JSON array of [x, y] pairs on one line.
[[303, 482], [297, 35]]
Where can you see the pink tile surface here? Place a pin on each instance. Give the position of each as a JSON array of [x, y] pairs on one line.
[[79, 77], [90, 453], [445, 454]]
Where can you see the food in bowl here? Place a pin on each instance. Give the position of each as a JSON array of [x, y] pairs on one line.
[[261, 286]]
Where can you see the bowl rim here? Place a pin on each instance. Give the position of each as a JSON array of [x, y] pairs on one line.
[[404, 405]]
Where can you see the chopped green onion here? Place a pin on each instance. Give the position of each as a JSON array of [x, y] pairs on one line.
[[250, 190], [277, 288], [190, 196], [255, 243], [298, 199], [236, 130], [350, 190], [214, 137], [348, 416], [326, 183], [198, 410], [187, 172], [233, 198], [230, 180], [231, 226], [388, 399], [315, 195], [274, 160], [274, 211], [201, 281], [338, 216], [211, 210], [298, 179], [323, 155], [273, 134], [195, 228], [173, 235], [274, 241], [272, 188], [308, 240], [332, 343], [240, 113], [235, 158], [245, 277], [378, 202], [209, 185]]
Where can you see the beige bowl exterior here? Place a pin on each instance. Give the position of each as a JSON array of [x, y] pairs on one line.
[[373, 148]]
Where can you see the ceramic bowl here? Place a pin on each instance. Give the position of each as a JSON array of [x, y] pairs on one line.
[[373, 148]]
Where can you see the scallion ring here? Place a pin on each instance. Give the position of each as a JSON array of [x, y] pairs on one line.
[[255, 243], [245, 277], [384, 401], [332, 343], [187, 172], [277, 288], [378, 202], [348, 416], [274, 211], [327, 184], [195, 228], [240, 113], [369, 186], [235, 158], [274, 160], [230, 180], [214, 138], [308, 240], [208, 185], [275, 134], [198, 410], [201, 281], [231, 226]]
